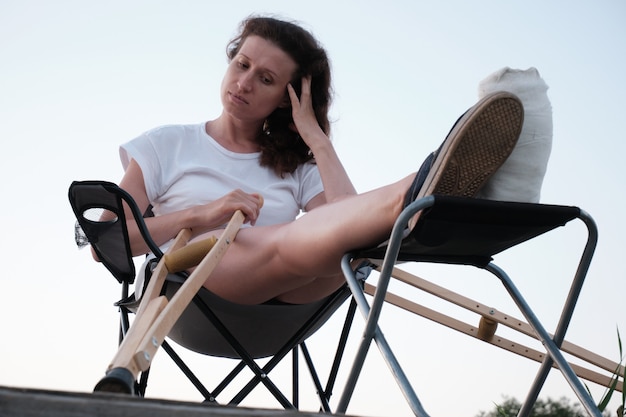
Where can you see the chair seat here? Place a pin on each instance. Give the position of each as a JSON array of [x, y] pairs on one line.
[[261, 329], [470, 231]]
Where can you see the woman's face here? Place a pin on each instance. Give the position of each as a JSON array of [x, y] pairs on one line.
[[256, 79]]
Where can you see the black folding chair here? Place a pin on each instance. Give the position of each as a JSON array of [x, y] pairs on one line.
[[206, 324], [467, 231]]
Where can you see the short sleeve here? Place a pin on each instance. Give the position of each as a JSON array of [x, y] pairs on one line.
[[310, 183], [142, 149]]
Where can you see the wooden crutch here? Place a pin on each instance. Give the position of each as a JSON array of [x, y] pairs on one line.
[[488, 323], [157, 315]]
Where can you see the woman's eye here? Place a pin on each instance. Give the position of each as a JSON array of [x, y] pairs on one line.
[[266, 80], [242, 64]]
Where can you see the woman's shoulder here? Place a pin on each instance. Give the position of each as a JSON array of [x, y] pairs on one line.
[[175, 130], [173, 136], [167, 140]]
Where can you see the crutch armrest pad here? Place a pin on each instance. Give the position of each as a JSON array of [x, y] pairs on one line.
[[189, 255]]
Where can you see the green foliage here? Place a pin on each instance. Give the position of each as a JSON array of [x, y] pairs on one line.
[[543, 408], [604, 401], [562, 408]]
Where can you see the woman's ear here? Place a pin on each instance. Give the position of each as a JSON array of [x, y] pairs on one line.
[[285, 103]]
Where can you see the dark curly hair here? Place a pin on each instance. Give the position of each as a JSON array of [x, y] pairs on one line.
[[281, 148]]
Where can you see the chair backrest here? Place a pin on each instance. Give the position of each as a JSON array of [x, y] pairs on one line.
[[99, 210]]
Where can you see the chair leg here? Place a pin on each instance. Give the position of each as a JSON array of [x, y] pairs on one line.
[[260, 374], [295, 378], [384, 348], [323, 396], [341, 348], [559, 335], [143, 383], [208, 396], [551, 345]]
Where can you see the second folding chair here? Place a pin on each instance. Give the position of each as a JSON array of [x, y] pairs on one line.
[[468, 231]]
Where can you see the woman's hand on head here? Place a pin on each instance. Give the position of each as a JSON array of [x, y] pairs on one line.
[[337, 184], [304, 116]]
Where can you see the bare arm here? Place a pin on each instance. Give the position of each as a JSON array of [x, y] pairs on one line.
[[337, 184], [199, 219]]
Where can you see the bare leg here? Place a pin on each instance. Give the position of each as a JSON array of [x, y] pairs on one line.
[[300, 261], [315, 290]]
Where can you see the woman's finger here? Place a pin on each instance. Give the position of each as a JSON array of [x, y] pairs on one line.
[[249, 204], [306, 86], [293, 97]]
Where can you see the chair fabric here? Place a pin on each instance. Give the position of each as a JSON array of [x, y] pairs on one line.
[[261, 329], [471, 231], [109, 238]]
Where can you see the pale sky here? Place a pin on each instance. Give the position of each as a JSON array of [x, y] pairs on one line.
[[78, 78]]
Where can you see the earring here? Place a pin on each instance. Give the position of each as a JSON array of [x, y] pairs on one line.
[[266, 128]]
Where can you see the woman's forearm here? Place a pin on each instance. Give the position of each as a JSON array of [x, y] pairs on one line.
[[337, 183], [162, 229]]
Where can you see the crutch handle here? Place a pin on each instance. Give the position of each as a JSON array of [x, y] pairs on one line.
[[486, 328], [189, 255]]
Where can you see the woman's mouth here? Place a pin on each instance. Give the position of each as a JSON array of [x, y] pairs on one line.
[[238, 99]]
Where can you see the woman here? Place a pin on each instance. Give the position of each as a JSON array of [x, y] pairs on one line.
[[268, 154]]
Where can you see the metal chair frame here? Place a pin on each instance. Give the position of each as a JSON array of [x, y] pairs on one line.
[[392, 250]]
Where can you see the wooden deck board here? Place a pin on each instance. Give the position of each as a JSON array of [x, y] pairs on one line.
[[22, 402]]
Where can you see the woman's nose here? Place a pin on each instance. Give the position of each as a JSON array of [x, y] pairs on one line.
[[245, 82]]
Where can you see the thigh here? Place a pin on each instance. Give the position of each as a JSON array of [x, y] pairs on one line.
[[252, 270], [315, 290]]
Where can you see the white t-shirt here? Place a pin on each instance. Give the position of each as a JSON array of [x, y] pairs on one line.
[[183, 166]]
